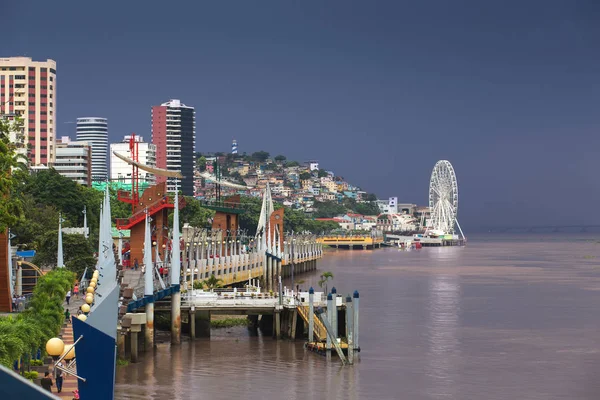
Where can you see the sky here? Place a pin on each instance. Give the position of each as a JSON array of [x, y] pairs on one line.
[[377, 91]]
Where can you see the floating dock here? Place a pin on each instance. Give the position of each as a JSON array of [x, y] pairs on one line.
[[363, 242]]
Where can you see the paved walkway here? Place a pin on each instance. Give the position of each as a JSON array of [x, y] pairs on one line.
[[69, 382]]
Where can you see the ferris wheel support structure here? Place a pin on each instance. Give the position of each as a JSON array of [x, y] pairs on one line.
[[443, 199]]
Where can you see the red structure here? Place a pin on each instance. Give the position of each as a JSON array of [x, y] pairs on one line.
[[153, 201], [5, 300]]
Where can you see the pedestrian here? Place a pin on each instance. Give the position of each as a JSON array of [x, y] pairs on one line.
[[58, 378], [67, 315], [76, 290], [68, 296], [135, 264], [47, 382], [14, 303], [75, 394]]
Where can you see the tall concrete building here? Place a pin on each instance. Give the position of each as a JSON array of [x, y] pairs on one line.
[[28, 90], [121, 171], [95, 131], [174, 134], [74, 161]]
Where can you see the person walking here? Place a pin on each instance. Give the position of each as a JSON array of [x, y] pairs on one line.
[[68, 296], [58, 378], [46, 382], [135, 264], [76, 290]]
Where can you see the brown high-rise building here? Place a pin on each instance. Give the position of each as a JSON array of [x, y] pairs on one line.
[[28, 90]]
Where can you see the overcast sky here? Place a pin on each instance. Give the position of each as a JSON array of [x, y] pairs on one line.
[[377, 91]]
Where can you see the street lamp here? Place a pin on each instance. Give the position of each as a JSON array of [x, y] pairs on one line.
[[89, 298], [82, 317], [55, 348]]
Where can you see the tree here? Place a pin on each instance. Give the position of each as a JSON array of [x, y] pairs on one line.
[[78, 251], [12, 172], [201, 163], [322, 173], [371, 197], [194, 214], [212, 282], [50, 188], [280, 158], [328, 209], [305, 176], [291, 164], [325, 276], [260, 156], [38, 218]]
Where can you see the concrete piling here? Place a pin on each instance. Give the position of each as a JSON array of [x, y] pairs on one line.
[[355, 324], [311, 314], [277, 322], [294, 322], [134, 346], [176, 318], [149, 331], [350, 329], [330, 307], [334, 314], [193, 323]]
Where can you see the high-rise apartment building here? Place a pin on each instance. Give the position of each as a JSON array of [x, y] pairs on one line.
[[121, 171], [174, 134], [95, 131], [28, 90], [74, 161]]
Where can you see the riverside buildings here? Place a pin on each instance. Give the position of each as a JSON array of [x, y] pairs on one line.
[[95, 131], [28, 90], [74, 161], [174, 135], [121, 171]]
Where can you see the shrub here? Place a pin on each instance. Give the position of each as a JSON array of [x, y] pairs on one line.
[[43, 318], [31, 375]]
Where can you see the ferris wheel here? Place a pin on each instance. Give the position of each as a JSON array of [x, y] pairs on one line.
[[443, 199]]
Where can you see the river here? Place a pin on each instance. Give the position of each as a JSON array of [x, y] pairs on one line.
[[506, 317]]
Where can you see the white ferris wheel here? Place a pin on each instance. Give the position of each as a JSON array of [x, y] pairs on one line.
[[443, 199]]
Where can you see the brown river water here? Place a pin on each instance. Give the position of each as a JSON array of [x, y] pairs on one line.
[[506, 317]]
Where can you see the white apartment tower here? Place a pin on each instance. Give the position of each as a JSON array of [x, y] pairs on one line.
[[95, 131], [28, 91]]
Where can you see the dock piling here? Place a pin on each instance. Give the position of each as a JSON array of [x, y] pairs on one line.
[[330, 307], [334, 313], [311, 314], [134, 346], [355, 324], [350, 329]]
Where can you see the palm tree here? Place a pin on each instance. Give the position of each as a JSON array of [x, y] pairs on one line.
[[213, 282], [325, 276]]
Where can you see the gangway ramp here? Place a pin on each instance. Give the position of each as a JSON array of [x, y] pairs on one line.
[[319, 329]]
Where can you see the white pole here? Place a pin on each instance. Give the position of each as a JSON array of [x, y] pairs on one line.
[[60, 263]]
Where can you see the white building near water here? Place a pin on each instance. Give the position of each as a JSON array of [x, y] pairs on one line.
[[95, 131], [74, 161], [121, 171]]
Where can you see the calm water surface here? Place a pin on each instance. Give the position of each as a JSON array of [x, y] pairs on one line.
[[507, 317]]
